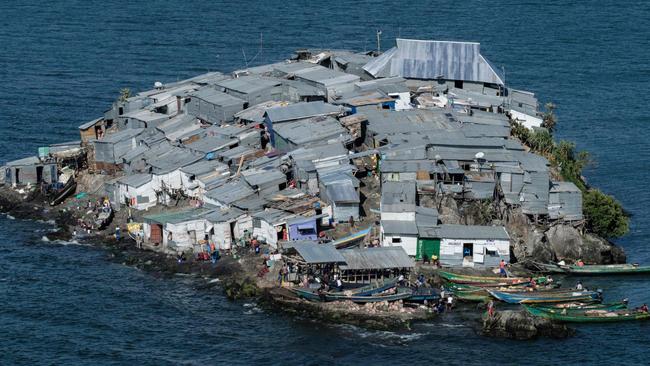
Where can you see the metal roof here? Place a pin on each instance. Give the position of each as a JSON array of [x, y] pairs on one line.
[[314, 253], [398, 197], [473, 232], [420, 59], [249, 84], [176, 217], [135, 180], [342, 192], [224, 214], [211, 143], [32, 160], [204, 166], [121, 135], [90, 124], [256, 112], [376, 258], [302, 110], [213, 96], [230, 192], [315, 129], [263, 177], [399, 227], [564, 187]]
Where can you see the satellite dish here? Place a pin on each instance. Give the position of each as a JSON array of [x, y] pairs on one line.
[[479, 155], [158, 85], [438, 157]]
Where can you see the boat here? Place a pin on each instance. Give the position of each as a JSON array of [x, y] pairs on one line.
[[590, 316], [401, 293], [424, 294], [607, 269], [374, 288], [487, 281], [471, 296], [584, 305], [572, 309], [59, 191], [533, 297], [351, 240], [104, 218], [547, 267]]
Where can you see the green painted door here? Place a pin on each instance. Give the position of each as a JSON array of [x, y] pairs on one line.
[[427, 247]]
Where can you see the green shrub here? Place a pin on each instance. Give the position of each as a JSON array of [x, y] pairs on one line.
[[605, 215]]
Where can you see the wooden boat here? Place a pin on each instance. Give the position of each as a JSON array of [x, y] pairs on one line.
[[104, 218], [573, 309], [59, 194], [590, 316], [607, 269], [543, 297], [402, 293], [375, 288], [351, 240], [471, 296], [486, 281], [424, 293], [547, 267]]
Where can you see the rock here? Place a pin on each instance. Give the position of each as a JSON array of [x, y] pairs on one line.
[[521, 325], [448, 211], [569, 244]]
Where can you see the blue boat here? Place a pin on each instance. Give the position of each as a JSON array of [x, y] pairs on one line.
[[423, 293], [350, 240], [402, 293], [375, 288], [533, 297]]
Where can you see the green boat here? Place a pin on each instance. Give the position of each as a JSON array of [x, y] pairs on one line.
[[590, 316], [579, 309], [471, 296], [486, 281], [401, 293], [534, 297], [607, 269], [583, 305]]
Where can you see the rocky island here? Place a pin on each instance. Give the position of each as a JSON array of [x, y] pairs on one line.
[[334, 167]]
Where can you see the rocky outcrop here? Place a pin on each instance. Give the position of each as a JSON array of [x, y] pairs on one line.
[[521, 325], [569, 244]]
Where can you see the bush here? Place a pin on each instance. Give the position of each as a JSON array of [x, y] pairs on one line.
[[605, 216]]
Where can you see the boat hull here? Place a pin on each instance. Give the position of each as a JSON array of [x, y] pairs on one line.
[[590, 316], [539, 298]]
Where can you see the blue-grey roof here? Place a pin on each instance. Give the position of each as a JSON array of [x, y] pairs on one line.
[[204, 166], [419, 59], [213, 96], [473, 232], [314, 253], [315, 129], [135, 180], [224, 215], [90, 124], [399, 227], [398, 197], [211, 143], [230, 192], [376, 258], [121, 135], [342, 192], [302, 110], [249, 84]]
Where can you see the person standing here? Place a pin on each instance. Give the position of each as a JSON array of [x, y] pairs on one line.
[[502, 269]]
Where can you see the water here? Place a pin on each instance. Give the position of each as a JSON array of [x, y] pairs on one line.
[[63, 63]]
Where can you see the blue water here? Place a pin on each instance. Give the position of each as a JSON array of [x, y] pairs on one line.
[[63, 63]]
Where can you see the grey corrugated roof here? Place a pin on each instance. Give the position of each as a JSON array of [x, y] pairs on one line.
[[211, 143], [204, 166], [273, 216], [302, 110], [230, 192], [398, 197], [135, 180], [473, 232], [342, 192], [256, 112], [420, 59], [249, 84], [32, 160], [179, 216], [224, 214], [426, 217], [315, 129], [263, 177], [173, 159], [121, 135], [376, 258], [399, 227], [314, 253], [213, 96], [564, 187], [89, 124], [326, 77]]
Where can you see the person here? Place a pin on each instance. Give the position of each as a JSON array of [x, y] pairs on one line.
[[579, 286], [532, 282], [214, 256], [644, 308], [580, 263], [180, 257], [117, 233], [339, 284], [490, 308], [440, 308], [502, 269], [450, 302], [400, 279], [434, 260], [421, 281]]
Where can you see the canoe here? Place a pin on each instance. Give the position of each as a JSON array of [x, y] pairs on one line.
[[580, 309], [490, 281], [104, 218], [375, 288], [583, 305], [59, 195], [424, 293], [548, 268], [402, 293], [590, 316], [542, 297], [471, 296], [350, 240], [607, 269]]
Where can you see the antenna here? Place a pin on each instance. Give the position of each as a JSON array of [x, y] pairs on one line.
[[378, 41], [261, 48], [245, 62]]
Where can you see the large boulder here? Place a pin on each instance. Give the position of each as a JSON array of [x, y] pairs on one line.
[[448, 211], [569, 244], [521, 325]]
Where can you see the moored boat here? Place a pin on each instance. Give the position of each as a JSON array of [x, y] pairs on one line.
[[533, 297], [401, 293], [104, 218], [491, 281], [424, 293], [584, 305], [61, 191], [590, 316], [607, 269], [578, 309]]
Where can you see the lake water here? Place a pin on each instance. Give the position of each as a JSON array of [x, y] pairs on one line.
[[63, 63]]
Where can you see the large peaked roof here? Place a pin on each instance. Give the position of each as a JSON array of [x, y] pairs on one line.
[[418, 59]]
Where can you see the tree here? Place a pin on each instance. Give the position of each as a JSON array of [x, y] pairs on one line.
[[605, 216], [549, 120], [541, 142], [570, 163]]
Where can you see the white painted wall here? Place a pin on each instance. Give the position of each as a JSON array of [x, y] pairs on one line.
[[398, 216], [526, 119], [146, 190]]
